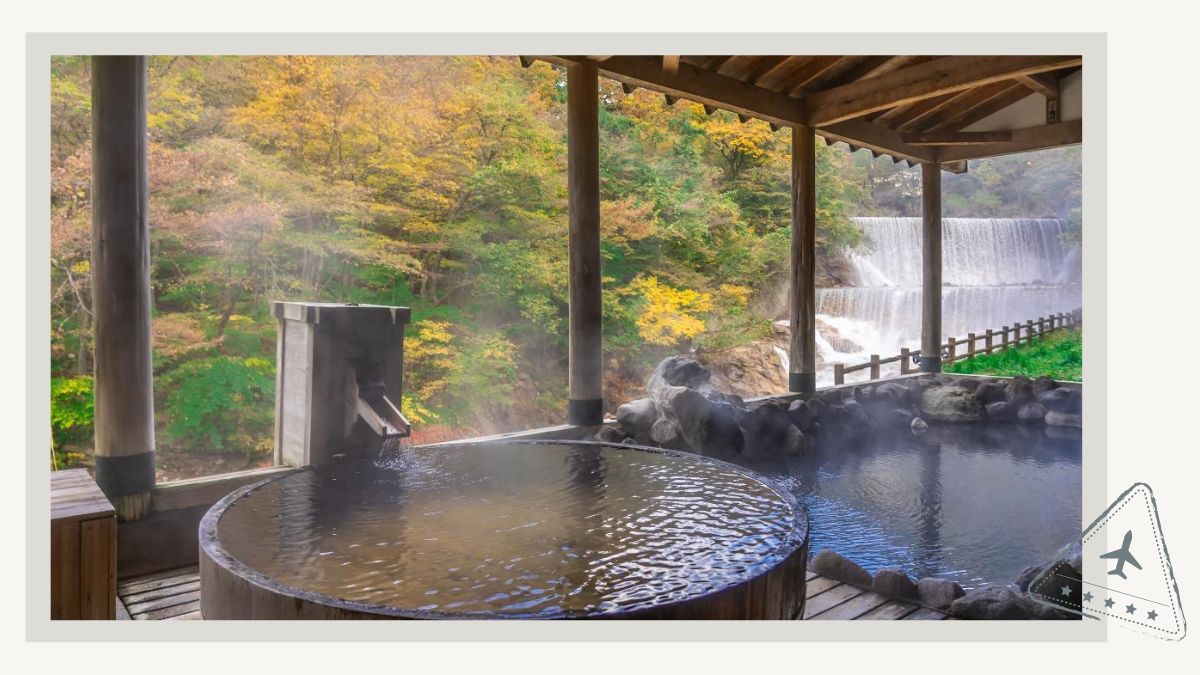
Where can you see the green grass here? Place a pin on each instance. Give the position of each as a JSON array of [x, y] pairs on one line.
[[1059, 355]]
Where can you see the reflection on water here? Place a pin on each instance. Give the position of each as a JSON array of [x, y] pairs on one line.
[[522, 529], [973, 504]]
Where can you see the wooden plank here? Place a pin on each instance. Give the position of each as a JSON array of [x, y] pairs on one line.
[[890, 611], [137, 609], [820, 585], [831, 598], [782, 72], [916, 114], [166, 582], [190, 616], [853, 608], [122, 612], [1044, 84], [208, 490], [1023, 140], [933, 78], [157, 576], [979, 98], [700, 85], [808, 76], [926, 614], [98, 568], [169, 612], [64, 575], [161, 592], [811, 575]]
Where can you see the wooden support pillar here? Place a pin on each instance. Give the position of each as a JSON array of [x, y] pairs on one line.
[[802, 375], [124, 393], [931, 267], [585, 406]]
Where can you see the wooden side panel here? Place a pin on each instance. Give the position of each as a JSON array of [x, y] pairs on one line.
[[64, 560], [97, 569]]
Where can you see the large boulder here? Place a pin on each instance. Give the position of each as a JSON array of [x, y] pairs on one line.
[[894, 582], [708, 427], [677, 371], [1062, 400], [990, 392], [665, 433], [950, 404], [638, 417], [805, 414], [894, 393], [1031, 412], [991, 603], [1059, 419], [938, 593], [1043, 384], [1002, 411], [768, 428], [610, 434], [1019, 390], [830, 564]]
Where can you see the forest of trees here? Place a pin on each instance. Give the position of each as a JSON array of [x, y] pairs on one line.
[[439, 183]]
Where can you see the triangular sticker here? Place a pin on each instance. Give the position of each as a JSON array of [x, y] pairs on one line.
[[1126, 574]]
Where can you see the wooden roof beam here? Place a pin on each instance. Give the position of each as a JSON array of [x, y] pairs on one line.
[[956, 137], [861, 133], [1046, 84], [702, 86], [1023, 140], [966, 103], [989, 108], [925, 80]]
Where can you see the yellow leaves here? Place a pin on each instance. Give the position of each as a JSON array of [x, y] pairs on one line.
[[431, 354], [669, 314], [733, 295]]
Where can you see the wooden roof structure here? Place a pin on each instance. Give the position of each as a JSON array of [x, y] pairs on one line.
[[920, 109]]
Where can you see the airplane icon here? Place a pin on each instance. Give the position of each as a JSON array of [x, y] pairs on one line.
[[1122, 556]]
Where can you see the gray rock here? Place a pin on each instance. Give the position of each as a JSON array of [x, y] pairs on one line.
[[991, 602], [708, 427], [1062, 400], [968, 383], [990, 392], [1059, 419], [950, 404], [768, 428], [897, 417], [610, 434], [1043, 384], [664, 432], [830, 564], [894, 582], [893, 392], [1031, 412], [919, 426], [639, 416], [677, 371], [1027, 576], [804, 414], [938, 593], [1019, 390], [1002, 411]]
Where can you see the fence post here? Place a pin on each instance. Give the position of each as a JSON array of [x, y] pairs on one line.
[[874, 366], [987, 341], [1050, 324], [1062, 318], [839, 373], [1029, 330], [950, 349], [1041, 326], [1016, 333], [1004, 338], [970, 345], [905, 357]]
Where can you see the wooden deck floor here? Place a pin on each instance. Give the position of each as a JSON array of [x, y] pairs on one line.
[[176, 595]]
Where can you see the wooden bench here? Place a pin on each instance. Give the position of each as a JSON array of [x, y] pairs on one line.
[[83, 548]]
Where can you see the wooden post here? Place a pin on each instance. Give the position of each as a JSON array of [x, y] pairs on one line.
[[124, 378], [1041, 326], [949, 349], [931, 267], [970, 345], [905, 358], [802, 375], [585, 406], [874, 366], [987, 341], [1029, 331], [1004, 338], [1050, 328], [1017, 333], [839, 373], [1062, 318]]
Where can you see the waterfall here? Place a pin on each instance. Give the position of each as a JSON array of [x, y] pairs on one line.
[[996, 272], [785, 361]]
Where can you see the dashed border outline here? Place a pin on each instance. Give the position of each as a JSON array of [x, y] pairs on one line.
[[1123, 500]]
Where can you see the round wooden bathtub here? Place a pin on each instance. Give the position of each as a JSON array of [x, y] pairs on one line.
[[538, 529]]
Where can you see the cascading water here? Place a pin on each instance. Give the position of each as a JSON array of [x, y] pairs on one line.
[[996, 272]]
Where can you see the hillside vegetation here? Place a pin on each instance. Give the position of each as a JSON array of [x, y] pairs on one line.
[[440, 184]]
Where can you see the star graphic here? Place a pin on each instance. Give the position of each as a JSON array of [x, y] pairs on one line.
[[1108, 602], [1152, 615], [1130, 609], [1066, 590], [1087, 597]]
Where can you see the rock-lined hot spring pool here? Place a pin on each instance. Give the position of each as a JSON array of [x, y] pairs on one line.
[[975, 503]]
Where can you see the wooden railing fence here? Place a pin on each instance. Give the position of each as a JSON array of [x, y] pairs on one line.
[[993, 340]]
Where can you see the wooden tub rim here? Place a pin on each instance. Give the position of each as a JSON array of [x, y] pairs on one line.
[[796, 542]]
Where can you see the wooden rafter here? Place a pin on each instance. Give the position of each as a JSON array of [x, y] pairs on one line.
[[1023, 140], [860, 133], [670, 64], [773, 77], [929, 109], [800, 81], [990, 108], [968, 102], [1045, 84], [893, 63], [940, 76], [956, 137]]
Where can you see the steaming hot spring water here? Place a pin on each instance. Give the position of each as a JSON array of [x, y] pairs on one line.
[[995, 272]]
